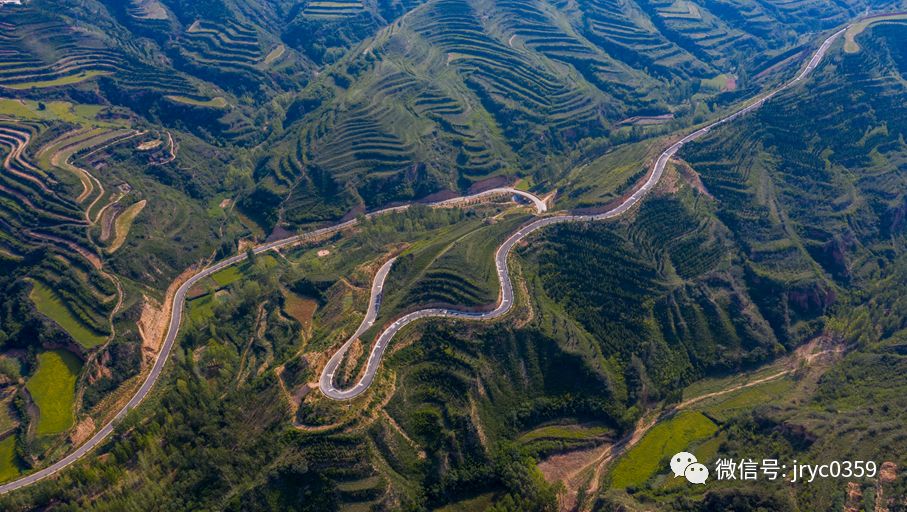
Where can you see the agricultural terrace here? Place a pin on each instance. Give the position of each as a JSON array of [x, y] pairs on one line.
[[53, 390]]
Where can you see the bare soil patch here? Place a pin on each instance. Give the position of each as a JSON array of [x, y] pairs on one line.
[[155, 317], [149, 145], [82, 431], [302, 309]]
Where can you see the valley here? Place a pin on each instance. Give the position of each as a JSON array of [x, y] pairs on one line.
[[454, 254]]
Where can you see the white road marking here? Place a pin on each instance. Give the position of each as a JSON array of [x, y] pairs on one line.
[[374, 358]]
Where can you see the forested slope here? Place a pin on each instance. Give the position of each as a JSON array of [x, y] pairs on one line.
[[458, 92], [140, 138]]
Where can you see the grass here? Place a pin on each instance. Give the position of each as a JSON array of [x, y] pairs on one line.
[[726, 406], [721, 83], [124, 223], [480, 502], [302, 309], [602, 180], [59, 82], [9, 467], [571, 432], [53, 389], [650, 454], [523, 184], [711, 385], [201, 309], [275, 54], [234, 273], [53, 110], [253, 227], [7, 420], [51, 306], [228, 275], [850, 43], [216, 102], [359, 485]]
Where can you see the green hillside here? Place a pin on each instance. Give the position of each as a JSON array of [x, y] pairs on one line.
[[752, 301]]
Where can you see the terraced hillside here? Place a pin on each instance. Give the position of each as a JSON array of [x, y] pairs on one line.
[[56, 288], [54, 54], [43, 50], [141, 138], [456, 271], [812, 189], [146, 51], [234, 55], [509, 88], [70, 286], [75, 181], [460, 91], [315, 9]]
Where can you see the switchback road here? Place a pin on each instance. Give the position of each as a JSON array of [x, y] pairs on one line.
[[505, 299], [505, 296], [179, 303]]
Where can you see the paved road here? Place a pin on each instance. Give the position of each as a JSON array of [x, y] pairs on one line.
[[505, 296], [505, 300], [180, 301]]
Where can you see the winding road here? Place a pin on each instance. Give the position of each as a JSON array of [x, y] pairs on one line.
[[179, 303], [505, 300], [505, 296]]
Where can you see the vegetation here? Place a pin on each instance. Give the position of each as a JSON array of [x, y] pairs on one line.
[[456, 269], [850, 43], [828, 214], [52, 388], [217, 102], [50, 304], [232, 121], [123, 223], [9, 466], [57, 82], [656, 448]]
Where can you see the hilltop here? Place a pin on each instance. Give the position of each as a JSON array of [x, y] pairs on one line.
[[143, 139]]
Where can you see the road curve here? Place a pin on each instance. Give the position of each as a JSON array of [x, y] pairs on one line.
[[505, 300], [179, 302], [505, 296]]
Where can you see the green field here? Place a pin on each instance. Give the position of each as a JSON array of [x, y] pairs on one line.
[[717, 384], [571, 432], [236, 272], [9, 468], [649, 455], [850, 43], [7, 419], [734, 403], [228, 275], [59, 82], [53, 388], [719, 83], [217, 102], [123, 223], [201, 309], [50, 305], [62, 110]]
